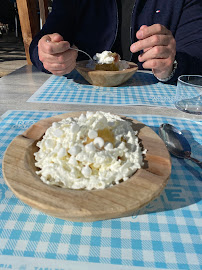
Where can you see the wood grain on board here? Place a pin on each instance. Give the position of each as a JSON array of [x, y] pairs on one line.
[[82, 205]]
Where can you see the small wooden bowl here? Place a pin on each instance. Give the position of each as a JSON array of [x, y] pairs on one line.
[[105, 78]]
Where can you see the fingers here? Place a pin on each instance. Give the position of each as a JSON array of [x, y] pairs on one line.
[[61, 64], [59, 58], [55, 55], [60, 69], [157, 64], [55, 37], [47, 44], [155, 29], [159, 49], [151, 41], [154, 52]]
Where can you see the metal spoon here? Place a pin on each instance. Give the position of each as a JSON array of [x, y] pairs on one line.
[[176, 143], [71, 48], [76, 49]]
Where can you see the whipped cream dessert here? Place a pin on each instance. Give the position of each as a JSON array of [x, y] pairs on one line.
[[106, 57], [108, 60], [92, 151]]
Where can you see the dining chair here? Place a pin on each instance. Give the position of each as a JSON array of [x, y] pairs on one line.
[[32, 16]]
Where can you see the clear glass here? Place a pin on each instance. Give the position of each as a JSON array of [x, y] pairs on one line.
[[189, 94]]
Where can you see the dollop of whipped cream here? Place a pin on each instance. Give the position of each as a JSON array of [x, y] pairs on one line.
[[107, 57], [93, 151]]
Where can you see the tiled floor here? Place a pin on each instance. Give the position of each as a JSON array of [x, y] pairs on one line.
[[12, 54]]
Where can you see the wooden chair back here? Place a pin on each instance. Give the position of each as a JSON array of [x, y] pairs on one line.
[[32, 15]]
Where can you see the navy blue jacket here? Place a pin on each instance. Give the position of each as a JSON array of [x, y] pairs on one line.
[[92, 26]]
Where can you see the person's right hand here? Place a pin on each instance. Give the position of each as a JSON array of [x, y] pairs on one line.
[[55, 55]]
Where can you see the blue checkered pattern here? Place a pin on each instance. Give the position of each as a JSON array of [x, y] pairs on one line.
[[141, 89], [165, 234]]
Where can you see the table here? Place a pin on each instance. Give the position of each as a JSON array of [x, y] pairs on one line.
[[17, 87], [32, 240]]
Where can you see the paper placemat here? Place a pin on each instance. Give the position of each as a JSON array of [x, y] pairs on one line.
[[165, 234], [141, 89]]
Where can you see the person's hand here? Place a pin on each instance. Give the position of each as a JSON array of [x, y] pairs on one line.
[[159, 49], [55, 55]]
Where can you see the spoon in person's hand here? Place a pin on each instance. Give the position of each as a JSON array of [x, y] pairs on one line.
[[176, 143], [78, 50]]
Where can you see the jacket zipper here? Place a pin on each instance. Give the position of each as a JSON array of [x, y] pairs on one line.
[[131, 54], [117, 24]]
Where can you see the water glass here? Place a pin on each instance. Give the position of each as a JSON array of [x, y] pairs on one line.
[[189, 94]]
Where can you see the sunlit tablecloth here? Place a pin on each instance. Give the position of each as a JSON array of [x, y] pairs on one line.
[[165, 234], [141, 89]]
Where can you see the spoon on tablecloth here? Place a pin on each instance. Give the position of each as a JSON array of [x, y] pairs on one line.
[[176, 143]]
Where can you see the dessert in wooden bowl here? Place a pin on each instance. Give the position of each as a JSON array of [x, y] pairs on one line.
[[106, 73]]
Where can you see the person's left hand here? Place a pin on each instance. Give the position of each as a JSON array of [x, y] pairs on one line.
[[159, 49]]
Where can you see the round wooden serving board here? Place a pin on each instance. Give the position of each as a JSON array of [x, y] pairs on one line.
[[82, 205]]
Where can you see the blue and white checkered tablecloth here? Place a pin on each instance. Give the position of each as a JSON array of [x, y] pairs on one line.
[[165, 234], [141, 89]]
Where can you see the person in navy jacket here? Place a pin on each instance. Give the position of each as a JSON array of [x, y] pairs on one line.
[[160, 35]]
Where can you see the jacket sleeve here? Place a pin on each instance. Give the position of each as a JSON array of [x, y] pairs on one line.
[[60, 20], [189, 40]]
